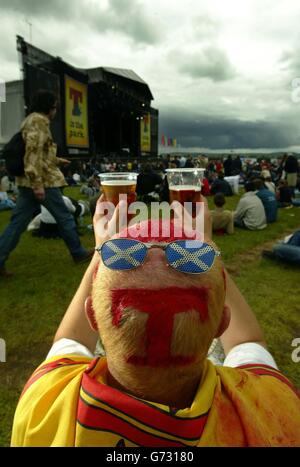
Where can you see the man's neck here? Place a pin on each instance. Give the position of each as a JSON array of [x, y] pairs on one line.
[[175, 389]]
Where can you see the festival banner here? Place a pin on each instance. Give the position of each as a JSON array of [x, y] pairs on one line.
[[77, 130], [145, 133]]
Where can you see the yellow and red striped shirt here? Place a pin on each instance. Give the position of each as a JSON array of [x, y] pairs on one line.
[[67, 402]]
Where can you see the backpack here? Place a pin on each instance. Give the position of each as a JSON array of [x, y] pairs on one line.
[[13, 153]]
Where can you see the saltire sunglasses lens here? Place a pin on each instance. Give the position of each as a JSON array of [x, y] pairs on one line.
[[123, 254], [192, 258]]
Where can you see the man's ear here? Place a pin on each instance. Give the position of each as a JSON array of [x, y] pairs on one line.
[[224, 321], [90, 314]]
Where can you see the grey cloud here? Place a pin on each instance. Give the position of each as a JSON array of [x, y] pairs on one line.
[[8, 54], [210, 62], [127, 18], [192, 130], [38, 8], [290, 61], [204, 27]]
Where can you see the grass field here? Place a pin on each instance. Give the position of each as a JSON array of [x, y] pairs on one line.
[[34, 301]]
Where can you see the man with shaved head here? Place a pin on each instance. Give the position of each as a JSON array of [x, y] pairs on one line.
[[157, 304]]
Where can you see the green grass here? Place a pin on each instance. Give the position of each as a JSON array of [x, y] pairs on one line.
[[243, 240], [33, 303], [272, 290]]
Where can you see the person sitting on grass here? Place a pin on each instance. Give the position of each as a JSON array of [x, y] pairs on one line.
[[250, 213], [92, 188], [6, 203], [285, 196], [222, 220], [44, 225], [287, 251], [268, 199], [205, 189], [157, 311], [221, 186]]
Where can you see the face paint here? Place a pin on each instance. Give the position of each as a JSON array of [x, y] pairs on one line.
[[161, 307], [95, 271], [224, 277]]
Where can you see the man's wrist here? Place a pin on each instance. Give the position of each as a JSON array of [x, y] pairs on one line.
[[95, 259]]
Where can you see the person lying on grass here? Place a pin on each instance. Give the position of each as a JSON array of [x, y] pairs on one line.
[[157, 311]]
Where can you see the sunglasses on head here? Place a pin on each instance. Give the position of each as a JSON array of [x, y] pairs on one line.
[[188, 256]]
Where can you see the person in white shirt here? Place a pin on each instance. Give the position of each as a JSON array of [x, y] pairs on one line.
[[267, 179], [5, 202], [44, 224], [182, 162], [250, 213]]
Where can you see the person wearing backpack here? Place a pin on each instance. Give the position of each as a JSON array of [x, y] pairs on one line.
[[40, 183]]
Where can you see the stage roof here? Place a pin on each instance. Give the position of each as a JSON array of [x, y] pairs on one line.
[[37, 57]]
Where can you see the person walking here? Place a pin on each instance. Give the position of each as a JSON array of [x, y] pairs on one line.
[[41, 183]]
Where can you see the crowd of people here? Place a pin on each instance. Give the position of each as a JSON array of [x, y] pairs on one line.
[[268, 185]]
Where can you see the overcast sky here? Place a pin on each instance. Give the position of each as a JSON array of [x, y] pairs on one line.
[[220, 71]]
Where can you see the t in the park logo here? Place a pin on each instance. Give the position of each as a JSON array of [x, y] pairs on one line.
[[76, 97]]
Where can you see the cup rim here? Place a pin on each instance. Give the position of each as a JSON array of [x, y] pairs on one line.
[[198, 169], [118, 174]]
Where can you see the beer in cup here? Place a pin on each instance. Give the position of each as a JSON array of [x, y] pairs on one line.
[[116, 184], [185, 185]]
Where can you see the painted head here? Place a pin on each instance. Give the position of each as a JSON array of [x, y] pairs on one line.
[[157, 323]]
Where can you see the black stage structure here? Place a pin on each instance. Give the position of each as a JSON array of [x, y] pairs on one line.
[[118, 102]]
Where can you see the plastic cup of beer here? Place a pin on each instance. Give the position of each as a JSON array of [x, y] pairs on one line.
[[115, 184], [185, 185]]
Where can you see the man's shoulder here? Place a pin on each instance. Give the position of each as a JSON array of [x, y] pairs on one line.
[[256, 374], [265, 193], [37, 120], [244, 199], [59, 370], [227, 214]]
